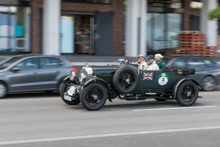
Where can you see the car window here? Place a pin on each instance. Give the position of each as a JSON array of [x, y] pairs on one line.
[[49, 62], [28, 64], [8, 62], [209, 63], [179, 62], [195, 63]]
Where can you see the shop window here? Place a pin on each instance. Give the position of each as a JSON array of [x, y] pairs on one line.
[[165, 3], [89, 1], [15, 29], [163, 30]]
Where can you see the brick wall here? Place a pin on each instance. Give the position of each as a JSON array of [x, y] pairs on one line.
[[187, 15], [118, 22], [36, 27]]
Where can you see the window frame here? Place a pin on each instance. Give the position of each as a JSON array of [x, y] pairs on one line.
[[27, 59]]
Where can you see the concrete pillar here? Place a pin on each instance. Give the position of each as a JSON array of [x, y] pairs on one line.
[[51, 27], [209, 27], [136, 27]]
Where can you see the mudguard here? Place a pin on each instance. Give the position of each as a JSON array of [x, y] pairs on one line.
[[99, 80], [66, 78], [175, 88]]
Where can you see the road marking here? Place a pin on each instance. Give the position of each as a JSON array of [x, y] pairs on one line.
[[108, 135], [176, 108]]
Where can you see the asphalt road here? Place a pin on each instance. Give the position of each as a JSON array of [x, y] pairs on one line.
[[42, 119]]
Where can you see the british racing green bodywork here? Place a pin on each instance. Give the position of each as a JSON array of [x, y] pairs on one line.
[[105, 74]]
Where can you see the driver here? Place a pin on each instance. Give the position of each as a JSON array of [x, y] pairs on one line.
[[152, 63], [141, 62]]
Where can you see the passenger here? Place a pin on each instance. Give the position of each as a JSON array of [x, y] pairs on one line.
[[160, 62], [142, 63], [152, 63]]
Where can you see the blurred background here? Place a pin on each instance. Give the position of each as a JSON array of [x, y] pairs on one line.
[[99, 32], [105, 27]]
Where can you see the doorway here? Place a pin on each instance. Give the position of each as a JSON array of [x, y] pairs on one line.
[[77, 33]]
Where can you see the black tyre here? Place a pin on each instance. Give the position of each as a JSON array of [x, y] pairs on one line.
[[3, 90], [125, 80], [63, 88], [93, 96], [208, 83], [160, 100], [187, 93]]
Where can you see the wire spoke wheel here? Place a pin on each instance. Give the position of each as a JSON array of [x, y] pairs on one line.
[[93, 96], [125, 80], [187, 93]]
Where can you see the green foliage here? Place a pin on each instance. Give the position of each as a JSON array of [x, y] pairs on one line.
[[214, 13]]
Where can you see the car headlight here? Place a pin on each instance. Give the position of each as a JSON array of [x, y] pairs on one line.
[[72, 75], [88, 71], [82, 78]]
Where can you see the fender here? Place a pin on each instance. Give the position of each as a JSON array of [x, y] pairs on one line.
[[175, 88], [102, 81], [66, 78]]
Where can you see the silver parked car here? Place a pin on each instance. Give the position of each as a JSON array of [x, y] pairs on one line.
[[26, 73], [207, 70]]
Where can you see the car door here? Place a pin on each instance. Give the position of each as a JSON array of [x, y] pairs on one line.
[[48, 72], [25, 78], [148, 81]]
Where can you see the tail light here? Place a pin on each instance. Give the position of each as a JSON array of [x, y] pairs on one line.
[[74, 70], [219, 69]]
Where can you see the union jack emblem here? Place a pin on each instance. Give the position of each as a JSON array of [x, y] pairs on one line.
[[148, 76]]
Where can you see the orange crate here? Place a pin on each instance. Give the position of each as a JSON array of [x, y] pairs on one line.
[[198, 35], [210, 47], [185, 47]]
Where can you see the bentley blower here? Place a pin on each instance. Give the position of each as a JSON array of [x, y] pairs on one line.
[[96, 84]]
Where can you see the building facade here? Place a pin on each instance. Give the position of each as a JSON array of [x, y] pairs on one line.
[[100, 27]]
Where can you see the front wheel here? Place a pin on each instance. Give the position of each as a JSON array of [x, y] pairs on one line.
[[93, 97], [63, 88], [187, 93]]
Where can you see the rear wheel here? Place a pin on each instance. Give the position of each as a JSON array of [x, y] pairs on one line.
[[187, 93], [208, 83], [93, 97], [63, 88]]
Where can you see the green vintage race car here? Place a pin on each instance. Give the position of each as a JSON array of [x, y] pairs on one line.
[[95, 84]]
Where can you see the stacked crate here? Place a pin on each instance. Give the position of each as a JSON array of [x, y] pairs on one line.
[[193, 41], [210, 51]]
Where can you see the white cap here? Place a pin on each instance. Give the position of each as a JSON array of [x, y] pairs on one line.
[[158, 56], [141, 55]]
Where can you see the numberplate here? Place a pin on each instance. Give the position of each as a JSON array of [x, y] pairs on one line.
[[68, 98]]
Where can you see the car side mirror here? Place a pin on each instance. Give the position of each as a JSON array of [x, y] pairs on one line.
[[15, 69]]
